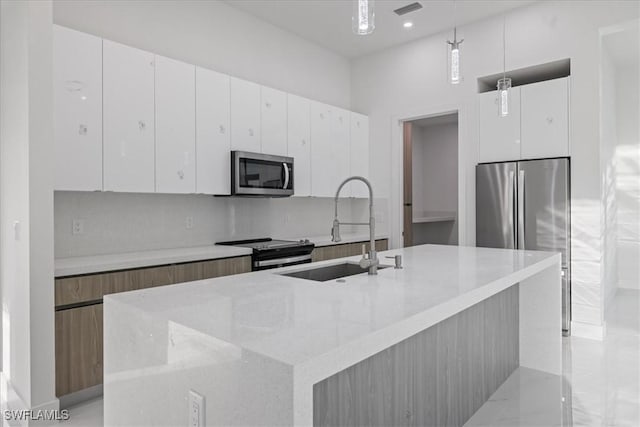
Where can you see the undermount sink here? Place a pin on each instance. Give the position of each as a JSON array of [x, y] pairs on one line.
[[331, 272]]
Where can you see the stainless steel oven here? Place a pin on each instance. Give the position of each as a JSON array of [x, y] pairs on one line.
[[256, 174], [269, 253]]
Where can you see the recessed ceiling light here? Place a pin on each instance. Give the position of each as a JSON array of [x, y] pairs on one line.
[[408, 24]]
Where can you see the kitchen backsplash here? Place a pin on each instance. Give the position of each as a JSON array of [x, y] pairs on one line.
[[127, 222]]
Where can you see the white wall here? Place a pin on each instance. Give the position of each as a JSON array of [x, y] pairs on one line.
[[409, 81], [26, 199], [628, 175], [608, 143], [122, 222], [215, 35]]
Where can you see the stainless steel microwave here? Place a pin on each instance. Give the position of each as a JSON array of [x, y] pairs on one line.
[[256, 174]]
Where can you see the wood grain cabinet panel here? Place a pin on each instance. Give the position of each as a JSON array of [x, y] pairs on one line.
[[324, 253], [78, 329], [77, 289], [226, 267], [78, 348]]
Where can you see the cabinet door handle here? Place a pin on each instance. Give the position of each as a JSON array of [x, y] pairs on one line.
[[82, 130], [180, 174], [549, 120], [267, 104], [222, 129], [142, 125]]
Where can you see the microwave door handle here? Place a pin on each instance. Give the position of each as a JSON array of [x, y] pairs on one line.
[[286, 176]]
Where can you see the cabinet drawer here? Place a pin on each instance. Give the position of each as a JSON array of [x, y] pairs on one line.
[[78, 334]]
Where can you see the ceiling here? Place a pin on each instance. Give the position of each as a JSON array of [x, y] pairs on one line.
[[328, 22]]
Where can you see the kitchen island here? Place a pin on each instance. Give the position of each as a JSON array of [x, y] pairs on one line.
[[422, 345]]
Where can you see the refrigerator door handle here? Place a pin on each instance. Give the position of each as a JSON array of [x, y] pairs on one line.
[[512, 206], [521, 218]]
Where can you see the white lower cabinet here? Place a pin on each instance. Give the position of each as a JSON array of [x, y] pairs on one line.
[[245, 116], [359, 157], [175, 126], [77, 110], [273, 121], [499, 137], [128, 92], [213, 138], [299, 143]]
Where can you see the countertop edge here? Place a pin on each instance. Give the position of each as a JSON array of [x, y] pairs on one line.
[[338, 359]]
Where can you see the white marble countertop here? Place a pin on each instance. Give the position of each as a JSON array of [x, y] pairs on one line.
[[295, 321], [256, 343], [111, 262]]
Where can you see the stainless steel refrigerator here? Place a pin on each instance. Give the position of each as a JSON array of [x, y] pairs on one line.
[[526, 205]]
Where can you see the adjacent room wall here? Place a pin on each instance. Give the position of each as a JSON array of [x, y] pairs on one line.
[[410, 80], [435, 180]]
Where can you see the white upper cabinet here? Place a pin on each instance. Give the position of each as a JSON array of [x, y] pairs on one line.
[[323, 166], [499, 136], [545, 119], [359, 157], [245, 116], [175, 126], [340, 140], [127, 120], [273, 121], [330, 128], [77, 109], [213, 136], [299, 144], [128, 89]]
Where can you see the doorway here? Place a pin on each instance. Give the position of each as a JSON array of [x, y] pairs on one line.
[[430, 180]]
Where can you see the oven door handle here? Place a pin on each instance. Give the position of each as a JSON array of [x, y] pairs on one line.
[[286, 175], [279, 261]]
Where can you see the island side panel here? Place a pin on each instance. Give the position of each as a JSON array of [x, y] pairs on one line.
[[150, 364], [437, 377], [541, 321]]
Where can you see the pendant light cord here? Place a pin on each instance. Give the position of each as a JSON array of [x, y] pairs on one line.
[[504, 46]]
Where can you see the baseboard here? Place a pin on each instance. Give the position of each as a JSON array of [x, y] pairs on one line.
[[629, 284], [587, 330], [13, 401], [74, 398]]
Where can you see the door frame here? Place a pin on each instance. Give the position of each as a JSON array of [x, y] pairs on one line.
[[396, 199]]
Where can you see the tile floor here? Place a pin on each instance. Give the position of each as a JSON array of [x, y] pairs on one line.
[[600, 385]]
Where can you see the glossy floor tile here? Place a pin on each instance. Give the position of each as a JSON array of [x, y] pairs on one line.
[[599, 386]]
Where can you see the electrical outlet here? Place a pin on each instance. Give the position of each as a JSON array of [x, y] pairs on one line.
[[196, 409], [188, 222], [77, 227]]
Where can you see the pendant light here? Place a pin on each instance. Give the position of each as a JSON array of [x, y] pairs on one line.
[[453, 53], [504, 84], [363, 18]]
